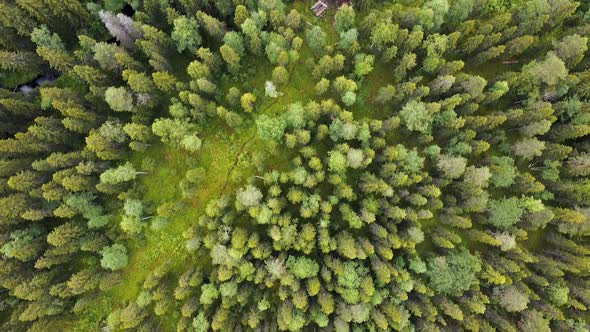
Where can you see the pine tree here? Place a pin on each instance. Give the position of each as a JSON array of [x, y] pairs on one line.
[[186, 34], [21, 61], [213, 26]]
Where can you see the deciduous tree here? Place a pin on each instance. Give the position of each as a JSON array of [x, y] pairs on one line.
[[186, 34]]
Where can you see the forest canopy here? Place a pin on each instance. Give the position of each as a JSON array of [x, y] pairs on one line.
[[274, 165]]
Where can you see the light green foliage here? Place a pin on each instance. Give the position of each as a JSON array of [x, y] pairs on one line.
[[276, 50], [269, 127], [549, 71], [417, 265], [280, 75], [441, 84], [452, 167], [114, 257], [528, 148], [191, 143], [164, 81], [296, 116], [252, 31], [518, 45], [350, 279], [459, 10], [416, 116], [349, 40], [505, 212], [131, 224], [206, 86], [200, 323], [197, 69], [123, 173], [233, 96], [533, 15], [409, 160], [316, 39], [322, 86], [213, 26], [144, 299], [249, 196], [342, 84], [439, 10], [336, 162], [235, 41], [510, 298], [24, 245], [533, 321], [454, 273], [119, 99], [138, 82], [209, 293], [44, 38], [133, 207], [342, 130], [474, 86], [302, 267], [344, 18], [186, 34], [354, 158], [383, 33], [363, 64], [499, 89], [435, 46], [349, 98], [477, 177], [294, 19], [503, 171], [106, 140], [571, 49], [558, 294], [231, 57], [247, 101], [105, 55], [172, 131]]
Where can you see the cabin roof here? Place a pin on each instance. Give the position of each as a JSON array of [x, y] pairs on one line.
[[319, 8]]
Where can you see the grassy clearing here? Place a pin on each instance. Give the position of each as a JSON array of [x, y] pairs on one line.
[[230, 158], [218, 156], [365, 106]]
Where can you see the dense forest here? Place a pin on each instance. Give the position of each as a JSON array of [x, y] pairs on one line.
[[246, 165]]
